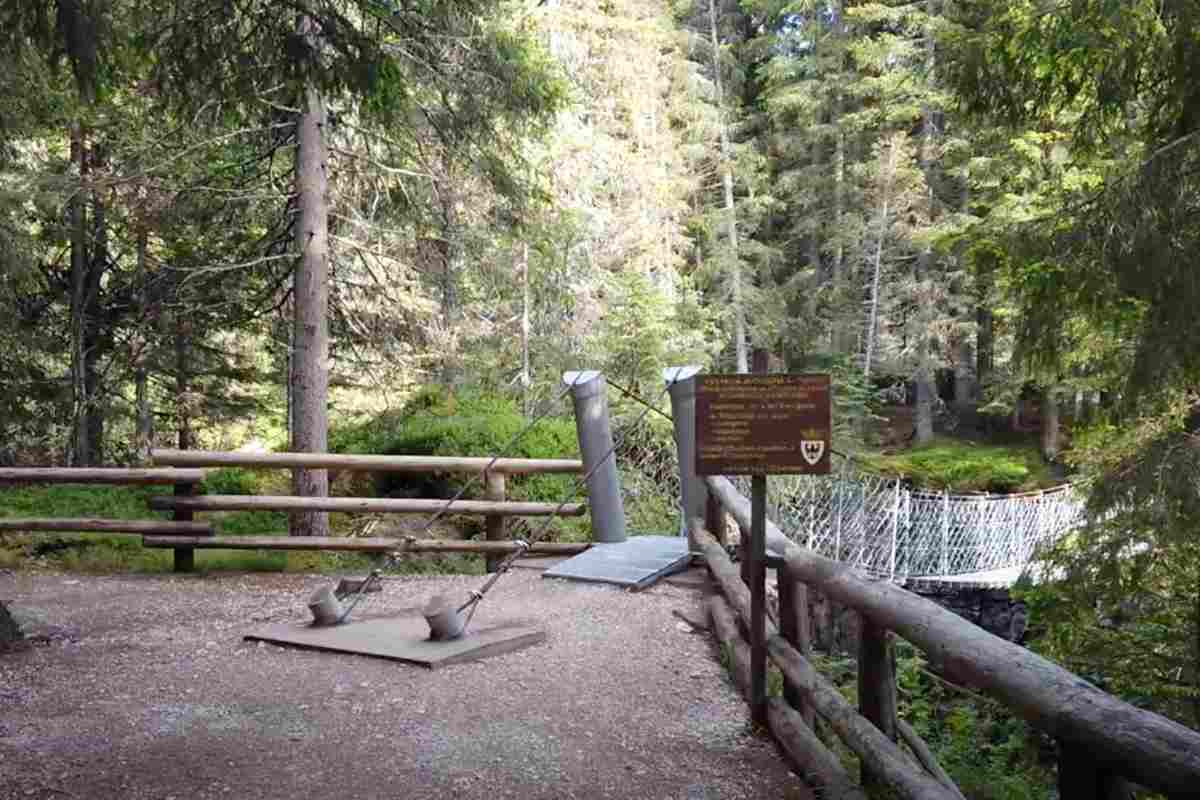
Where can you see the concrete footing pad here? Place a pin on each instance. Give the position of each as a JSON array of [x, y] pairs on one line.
[[403, 639]]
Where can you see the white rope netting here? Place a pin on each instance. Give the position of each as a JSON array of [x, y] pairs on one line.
[[878, 525]]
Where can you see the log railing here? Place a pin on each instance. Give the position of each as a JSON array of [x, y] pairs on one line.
[[494, 507], [179, 526], [1103, 741], [182, 469]]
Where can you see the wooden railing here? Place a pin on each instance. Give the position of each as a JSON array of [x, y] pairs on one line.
[[1103, 741], [175, 530], [494, 508], [181, 468]]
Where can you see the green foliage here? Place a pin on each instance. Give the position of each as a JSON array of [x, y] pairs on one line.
[[642, 333], [231, 480], [109, 502], [1125, 613], [990, 753], [964, 466], [436, 422]]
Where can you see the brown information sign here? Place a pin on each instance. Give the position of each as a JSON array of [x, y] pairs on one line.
[[762, 424]]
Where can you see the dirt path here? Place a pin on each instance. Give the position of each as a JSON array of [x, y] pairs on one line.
[[145, 689]]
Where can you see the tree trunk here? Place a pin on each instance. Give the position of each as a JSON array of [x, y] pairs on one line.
[[1050, 426], [985, 342], [873, 313], [964, 385], [449, 246], [183, 377], [741, 352], [81, 455], [926, 391], [93, 328], [526, 378], [143, 427], [925, 398], [310, 376]]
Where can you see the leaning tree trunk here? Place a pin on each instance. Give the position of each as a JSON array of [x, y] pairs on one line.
[[310, 374]]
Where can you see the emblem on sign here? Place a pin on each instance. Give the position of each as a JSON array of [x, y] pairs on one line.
[[812, 451]]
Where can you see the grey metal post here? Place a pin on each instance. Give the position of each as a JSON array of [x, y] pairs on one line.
[[592, 425], [682, 387]]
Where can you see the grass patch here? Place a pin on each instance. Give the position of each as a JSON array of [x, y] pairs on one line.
[[107, 502], [963, 466]]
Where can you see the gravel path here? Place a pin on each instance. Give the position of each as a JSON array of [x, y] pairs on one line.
[[142, 687]]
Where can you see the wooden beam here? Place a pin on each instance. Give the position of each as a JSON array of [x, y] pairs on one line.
[[808, 754], [493, 524], [160, 527], [876, 678], [738, 507], [1149, 749], [1141, 745], [358, 505], [795, 627], [928, 760], [725, 628], [361, 545], [110, 475], [1082, 777], [184, 558], [879, 754], [727, 576], [402, 463]]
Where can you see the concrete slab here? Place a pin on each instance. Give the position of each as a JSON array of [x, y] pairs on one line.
[[637, 562], [403, 639]]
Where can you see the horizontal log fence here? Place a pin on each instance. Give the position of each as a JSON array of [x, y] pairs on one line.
[[362, 505], [146, 527], [104, 475], [184, 469], [494, 507], [364, 544], [1103, 741], [333, 461], [181, 524]]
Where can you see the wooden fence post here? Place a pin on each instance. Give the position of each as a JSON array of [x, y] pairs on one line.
[[184, 557], [794, 625], [493, 524], [1081, 777], [714, 519], [876, 681], [744, 554]]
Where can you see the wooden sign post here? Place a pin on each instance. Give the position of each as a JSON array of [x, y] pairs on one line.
[[758, 425]]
